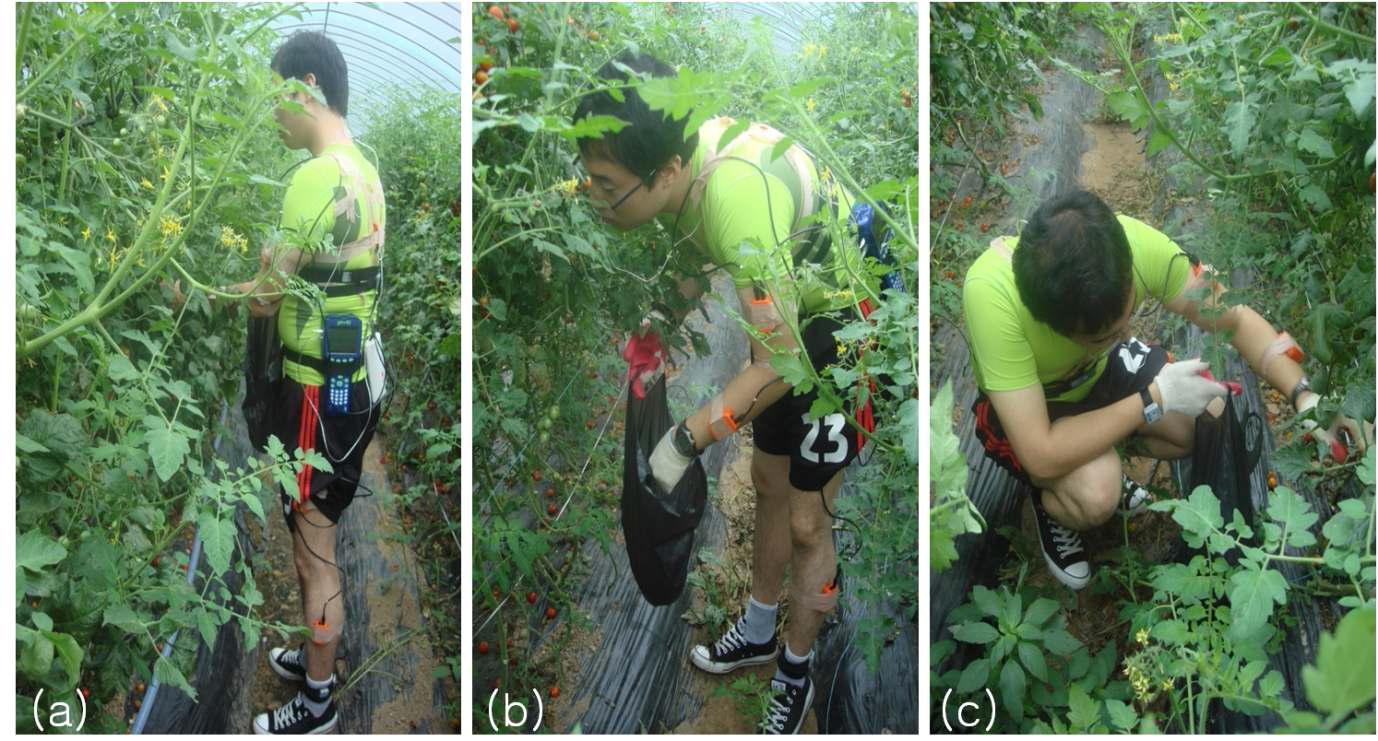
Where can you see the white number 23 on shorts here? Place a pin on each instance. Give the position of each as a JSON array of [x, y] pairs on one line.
[[835, 423]]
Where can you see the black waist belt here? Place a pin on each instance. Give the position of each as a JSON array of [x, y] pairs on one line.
[[336, 281]]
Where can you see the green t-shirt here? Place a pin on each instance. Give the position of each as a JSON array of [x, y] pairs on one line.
[[743, 206], [308, 223], [1010, 350]]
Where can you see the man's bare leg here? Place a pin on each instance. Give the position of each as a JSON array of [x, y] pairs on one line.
[[814, 563], [770, 540], [314, 554]]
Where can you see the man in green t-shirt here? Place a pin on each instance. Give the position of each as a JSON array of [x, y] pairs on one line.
[[323, 270], [1061, 382], [723, 195]]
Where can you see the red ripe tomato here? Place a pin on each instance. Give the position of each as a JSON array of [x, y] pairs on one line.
[[483, 647], [550, 613], [496, 12], [512, 25], [531, 598]]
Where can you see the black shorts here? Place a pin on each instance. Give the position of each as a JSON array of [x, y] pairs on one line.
[[341, 440], [817, 449], [1131, 368]]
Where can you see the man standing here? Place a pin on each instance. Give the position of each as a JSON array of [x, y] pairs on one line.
[[321, 281], [759, 217], [1062, 382]]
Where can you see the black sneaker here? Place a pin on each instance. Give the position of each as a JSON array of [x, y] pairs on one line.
[[1062, 548], [296, 719], [788, 706], [732, 651], [1133, 498], [290, 664]]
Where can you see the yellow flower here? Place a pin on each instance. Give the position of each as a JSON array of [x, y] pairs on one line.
[[109, 234], [1142, 636], [809, 49], [822, 51], [567, 188], [161, 105], [170, 227], [144, 182], [1167, 685], [165, 174], [86, 232], [810, 104]]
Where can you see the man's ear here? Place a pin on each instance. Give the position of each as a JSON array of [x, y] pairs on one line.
[[309, 79]]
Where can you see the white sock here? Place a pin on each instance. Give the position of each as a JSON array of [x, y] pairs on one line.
[[319, 686], [758, 624], [798, 664]]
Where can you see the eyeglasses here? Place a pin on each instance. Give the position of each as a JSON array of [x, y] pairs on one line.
[[634, 189]]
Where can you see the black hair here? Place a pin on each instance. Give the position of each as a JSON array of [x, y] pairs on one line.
[[314, 52], [1073, 267], [651, 137]]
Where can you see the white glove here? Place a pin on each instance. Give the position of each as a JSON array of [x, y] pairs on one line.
[[667, 463], [1184, 390]]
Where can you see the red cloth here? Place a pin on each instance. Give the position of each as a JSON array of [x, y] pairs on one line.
[[643, 355], [306, 437]]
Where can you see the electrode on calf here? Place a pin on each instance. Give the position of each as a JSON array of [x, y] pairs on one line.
[[823, 600], [322, 633]]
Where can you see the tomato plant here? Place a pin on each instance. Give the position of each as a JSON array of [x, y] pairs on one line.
[[556, 293], [145, 152]]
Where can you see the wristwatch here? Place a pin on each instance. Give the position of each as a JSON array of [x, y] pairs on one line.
[[1152, 412], [683, 440], [1303, 385]]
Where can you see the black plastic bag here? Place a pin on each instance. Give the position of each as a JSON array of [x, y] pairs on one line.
[[1226, 452], [658, 527], [262, 378]]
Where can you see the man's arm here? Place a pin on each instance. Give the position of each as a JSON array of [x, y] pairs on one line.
[[1251, 334], [1053, 450], [758, 386]]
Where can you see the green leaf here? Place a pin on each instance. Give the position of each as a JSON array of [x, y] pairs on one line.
[[1060, 642], [1310, 141], [733, 132], [167, 672], [591, 127], [1128, 106], [1279, 57], [168, 448], [121, 369], [181, 50], [1253, 592], [974, 676], [36, 550], [986, 601], [1032, 659], [1171, 631], [1012, 682], [1158, 141], [1315, 196], [1271, 685], [1342, 678], [782, 146], [1239, 122], [1084, 711], [217, 539], [1041, 610], [1359, 93], [1199, 515], [1122, 716], [124, 618], [975, 632], [69, 656], [1288, 509]]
